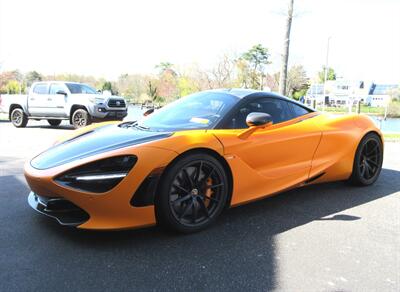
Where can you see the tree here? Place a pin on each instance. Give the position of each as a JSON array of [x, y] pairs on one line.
[[13, 87], [331, 75], [108, 86], [251, 66], [221, 76], [152, 91], [32, 76], [297, 82], [285, 55], [165, 66]]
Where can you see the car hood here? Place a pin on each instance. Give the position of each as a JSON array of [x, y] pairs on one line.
[[99, 140]]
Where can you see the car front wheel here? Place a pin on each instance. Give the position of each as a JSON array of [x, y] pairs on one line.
[[193, 193]]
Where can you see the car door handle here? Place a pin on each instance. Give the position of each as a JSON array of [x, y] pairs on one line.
[[32, 98], [49, 99]]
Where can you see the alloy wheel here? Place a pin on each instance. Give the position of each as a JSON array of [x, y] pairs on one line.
[[370, 159], [196, 193]]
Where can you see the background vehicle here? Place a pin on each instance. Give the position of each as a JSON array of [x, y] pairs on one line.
[[182, 165], [55, 101]]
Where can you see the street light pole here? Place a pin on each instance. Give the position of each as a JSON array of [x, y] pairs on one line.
[[326, 73]]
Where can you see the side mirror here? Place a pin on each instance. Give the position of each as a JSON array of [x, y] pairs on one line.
[[255, 120], [61, 92], [149, 111]]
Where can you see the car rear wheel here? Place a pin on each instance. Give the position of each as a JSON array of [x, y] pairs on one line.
[[80, 118], [193, 193], [54, 123], [19, 118], [368, 160]]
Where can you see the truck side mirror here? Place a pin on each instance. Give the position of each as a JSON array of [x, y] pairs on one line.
[[61, 92]]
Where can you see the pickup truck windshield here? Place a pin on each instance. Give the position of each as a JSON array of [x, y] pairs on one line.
[[76, 88]]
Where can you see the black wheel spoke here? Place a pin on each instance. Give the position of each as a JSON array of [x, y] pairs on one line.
[[194, 211], [181, 188], [371, 151], [182, 199], [367, 172], [362, 170], [373, 163], [214, 186], [198, 172], [186, 210], [187, 177], [211, 199], [204, 208]]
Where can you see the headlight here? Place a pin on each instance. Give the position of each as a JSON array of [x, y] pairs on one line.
[[96, 100], [99, 176]]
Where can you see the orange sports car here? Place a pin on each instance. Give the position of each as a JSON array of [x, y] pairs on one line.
[[182, 165]]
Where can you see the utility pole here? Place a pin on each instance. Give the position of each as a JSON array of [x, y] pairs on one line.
[[285, 55], [326, 72]]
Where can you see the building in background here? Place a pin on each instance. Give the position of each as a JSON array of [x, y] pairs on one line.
[[379, 95], [344, 92]]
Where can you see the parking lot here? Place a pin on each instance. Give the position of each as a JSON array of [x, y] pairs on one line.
[[331, 237]]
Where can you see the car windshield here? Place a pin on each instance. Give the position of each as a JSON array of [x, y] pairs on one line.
[[197, 111], [76, 88]]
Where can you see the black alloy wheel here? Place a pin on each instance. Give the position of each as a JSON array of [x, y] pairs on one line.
[[368, 160], [196, 191]]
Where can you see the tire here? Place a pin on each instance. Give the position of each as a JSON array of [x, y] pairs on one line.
[[367, 161], [80, 118], [18, 118], [192, 194], [54, 123]]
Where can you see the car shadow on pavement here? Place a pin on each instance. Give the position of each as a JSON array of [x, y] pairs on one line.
[[238, 252], [61, 127]]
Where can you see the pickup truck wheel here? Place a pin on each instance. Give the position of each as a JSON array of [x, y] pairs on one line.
[[80, 118], [54, 123], [19, 118]]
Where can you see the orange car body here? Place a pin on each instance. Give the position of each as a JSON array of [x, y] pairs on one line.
[[321, 146]]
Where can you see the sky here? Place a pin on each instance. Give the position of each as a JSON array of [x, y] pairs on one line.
[[108, 38]]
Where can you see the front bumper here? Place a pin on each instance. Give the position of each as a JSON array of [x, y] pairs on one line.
[[109, 210], [102, 112], [64, 211]]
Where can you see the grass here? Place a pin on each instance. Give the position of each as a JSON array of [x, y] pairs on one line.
[[364, 110], [391, 136], [3, 116]]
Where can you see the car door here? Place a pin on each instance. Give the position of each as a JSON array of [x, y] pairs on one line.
[[38, 104], [274, 158], [57, 101]]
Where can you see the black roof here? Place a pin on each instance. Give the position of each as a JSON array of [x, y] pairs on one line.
[[251, 93]]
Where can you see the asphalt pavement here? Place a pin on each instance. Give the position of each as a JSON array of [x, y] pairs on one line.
[[330, 237]]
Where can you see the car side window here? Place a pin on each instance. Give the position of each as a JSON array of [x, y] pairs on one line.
[[40, 88], [54, 87], [298, 110], [277, 108]]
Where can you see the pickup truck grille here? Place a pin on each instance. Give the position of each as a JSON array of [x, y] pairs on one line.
[[116, 103]]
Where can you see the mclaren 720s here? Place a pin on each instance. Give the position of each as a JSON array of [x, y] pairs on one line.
[[182, 165]]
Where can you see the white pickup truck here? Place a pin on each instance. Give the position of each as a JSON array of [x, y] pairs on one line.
[[55, 101]]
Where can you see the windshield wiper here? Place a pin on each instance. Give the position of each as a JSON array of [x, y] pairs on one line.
[[133, 124]]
